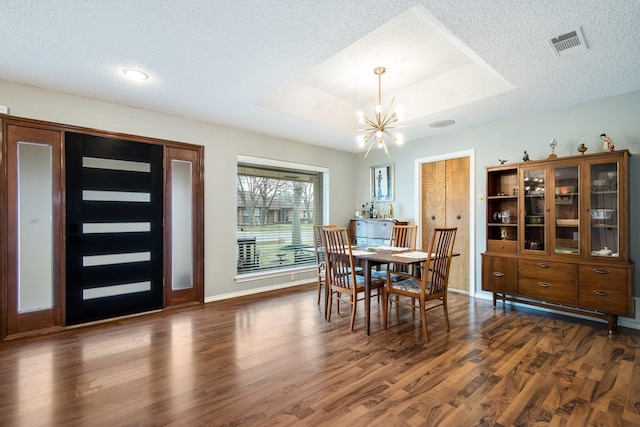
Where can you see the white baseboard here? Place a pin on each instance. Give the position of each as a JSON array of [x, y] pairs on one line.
[[626, 322], [632, 322], [257, 290]]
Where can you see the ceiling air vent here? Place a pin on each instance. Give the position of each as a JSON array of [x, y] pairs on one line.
[[569, 43]]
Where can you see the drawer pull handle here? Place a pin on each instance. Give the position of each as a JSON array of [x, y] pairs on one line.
[[544, 285], [601, 293], [541, 265], [601, 271], [498, 274]]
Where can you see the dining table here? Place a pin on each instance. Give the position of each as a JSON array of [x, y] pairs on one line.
[[370, 257]]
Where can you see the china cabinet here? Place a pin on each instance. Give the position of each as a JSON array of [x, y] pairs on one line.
[[557, 235]]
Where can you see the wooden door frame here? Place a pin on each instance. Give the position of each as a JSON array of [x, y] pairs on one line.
[[471, 154], [4, 209]]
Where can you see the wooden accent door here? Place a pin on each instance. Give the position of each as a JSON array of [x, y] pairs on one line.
[[445, 203], [184, 207]]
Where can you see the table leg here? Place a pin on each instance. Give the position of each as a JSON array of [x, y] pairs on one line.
[[367, 295], [327, 292]]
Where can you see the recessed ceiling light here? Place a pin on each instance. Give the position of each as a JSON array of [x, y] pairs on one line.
[[442, 123], [134, 74]]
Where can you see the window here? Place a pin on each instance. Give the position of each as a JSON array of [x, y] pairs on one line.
[[277, 205]]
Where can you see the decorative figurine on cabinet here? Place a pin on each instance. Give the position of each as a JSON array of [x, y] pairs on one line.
[[525, 157], [553, 145], [582, 148], [502, 162], [607, 142]]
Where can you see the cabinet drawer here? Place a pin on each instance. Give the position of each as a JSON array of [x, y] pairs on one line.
[[604, 289], [499, 274], [547, 271], [382, 230], [510, 246], [361, 229], [556, 291]]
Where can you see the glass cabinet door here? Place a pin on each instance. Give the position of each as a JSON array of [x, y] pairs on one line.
[[604, 205], [533, 185], [566, 210]]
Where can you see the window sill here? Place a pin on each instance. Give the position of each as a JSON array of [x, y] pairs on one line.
[[259, 275]]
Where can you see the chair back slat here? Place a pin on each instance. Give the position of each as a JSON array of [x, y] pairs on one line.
[[442, 246], [317, 241], [403, 236]]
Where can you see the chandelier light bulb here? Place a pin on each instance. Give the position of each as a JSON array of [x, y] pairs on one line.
[[378, 108], [360, 114]]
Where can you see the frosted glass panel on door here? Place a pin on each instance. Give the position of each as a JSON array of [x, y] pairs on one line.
[[35, 199], [181, 225]]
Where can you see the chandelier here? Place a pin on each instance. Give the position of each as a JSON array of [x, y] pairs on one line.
[[381, 125]]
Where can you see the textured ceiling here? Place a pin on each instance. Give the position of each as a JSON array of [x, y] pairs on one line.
[[300, 70]]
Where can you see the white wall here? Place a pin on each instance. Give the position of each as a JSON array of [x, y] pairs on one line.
[[617, 116], [222, 145]]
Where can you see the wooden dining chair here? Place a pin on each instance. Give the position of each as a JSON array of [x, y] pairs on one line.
[[320, 257], [342, 277], [321, 264], [403, 236], [423, 288]]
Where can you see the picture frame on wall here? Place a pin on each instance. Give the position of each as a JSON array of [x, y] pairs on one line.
[[382, 183]]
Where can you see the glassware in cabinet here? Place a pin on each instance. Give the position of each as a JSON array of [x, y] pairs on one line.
[[534, 190]]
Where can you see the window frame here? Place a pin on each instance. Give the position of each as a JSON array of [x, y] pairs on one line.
[[321, 215]]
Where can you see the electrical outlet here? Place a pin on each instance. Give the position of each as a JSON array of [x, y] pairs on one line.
[[4, 109], [480, 198]]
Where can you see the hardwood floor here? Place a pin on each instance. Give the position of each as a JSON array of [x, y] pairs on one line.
[[273, 360]]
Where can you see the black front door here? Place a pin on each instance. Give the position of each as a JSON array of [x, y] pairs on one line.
[[114, 227]]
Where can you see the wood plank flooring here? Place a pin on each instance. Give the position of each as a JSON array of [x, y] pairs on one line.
[[272, 360]]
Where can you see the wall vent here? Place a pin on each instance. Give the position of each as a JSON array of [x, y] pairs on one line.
[[569, 43]]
